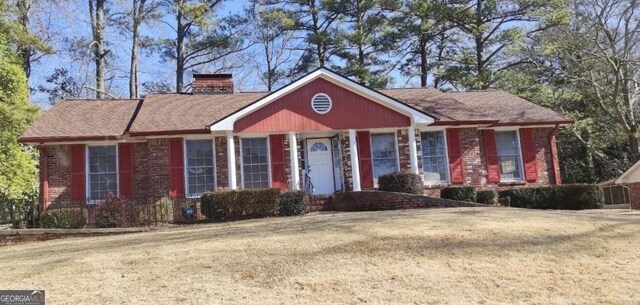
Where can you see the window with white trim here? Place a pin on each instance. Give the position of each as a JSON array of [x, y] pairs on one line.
[[200, 167], [434, 157], [384, 155], [255, 163], [102, 171], [509, 158]]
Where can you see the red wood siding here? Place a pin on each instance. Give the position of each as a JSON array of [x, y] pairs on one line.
[[176, 168], [77, 172], [456, 170], [278, 174], [491, 151], [125, 170], [293, 112], [364, 157], [528, 148]]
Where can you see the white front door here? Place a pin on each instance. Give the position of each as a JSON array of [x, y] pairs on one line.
[[320, 166]]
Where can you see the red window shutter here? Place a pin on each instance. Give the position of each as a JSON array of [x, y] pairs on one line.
[[456, 169], [125, 170], [77, 172], [491, 151], [176, 168], [528, 147], [364, 156], [276, 150]]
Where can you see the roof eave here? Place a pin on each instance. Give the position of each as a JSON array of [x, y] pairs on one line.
[[535, 123], [169, 132], [41, 140]]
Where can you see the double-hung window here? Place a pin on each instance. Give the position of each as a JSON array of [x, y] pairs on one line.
[[434, 157], [102, 171], [255, 163], [200, 167], [384, 154], [509, 158]]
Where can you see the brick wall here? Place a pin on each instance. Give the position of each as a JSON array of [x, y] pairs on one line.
[[634, 195], [378, 201], [222, 163], [346, 161], [474, 162], [287, 162], [59, 178], [155, 164], [403, 150], [151, 159]]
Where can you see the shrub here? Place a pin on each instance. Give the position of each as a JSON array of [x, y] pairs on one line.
[[63, 219], [562, 197], [460, 193], [293, 203], [485, 197], [243, 204], [582, 196], [114, 212], [401, 183]]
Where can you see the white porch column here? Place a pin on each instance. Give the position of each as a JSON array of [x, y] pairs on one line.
[[293, 151], [413, 150], [231, 160], [355, 163]]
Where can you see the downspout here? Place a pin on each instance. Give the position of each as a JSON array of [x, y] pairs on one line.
[[555, 164]]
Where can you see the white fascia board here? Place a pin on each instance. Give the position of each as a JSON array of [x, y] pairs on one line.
[[416, 116], [628, 175]]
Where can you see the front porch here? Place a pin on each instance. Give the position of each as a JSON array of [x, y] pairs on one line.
[[320, 163]]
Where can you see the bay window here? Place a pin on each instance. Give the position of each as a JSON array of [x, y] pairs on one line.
[[509, 158], [434, 157], [255, 163], [200, 167]]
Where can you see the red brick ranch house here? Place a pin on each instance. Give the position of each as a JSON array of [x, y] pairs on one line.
[[323, 127]]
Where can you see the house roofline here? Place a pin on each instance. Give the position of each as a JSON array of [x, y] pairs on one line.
[[561, 122], [169, 132], [40, 140]]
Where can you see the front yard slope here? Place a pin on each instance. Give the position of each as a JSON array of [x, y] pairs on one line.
[[456, 255]]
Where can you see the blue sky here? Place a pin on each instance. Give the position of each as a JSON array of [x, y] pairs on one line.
[[71, 21]]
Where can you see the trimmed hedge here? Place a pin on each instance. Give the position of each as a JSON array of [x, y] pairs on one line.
[[460, 193], [63, 219], [485, 197], [242, 204], [293, 203], [560, 197], [409, 183]]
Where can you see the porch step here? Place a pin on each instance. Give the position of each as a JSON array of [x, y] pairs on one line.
[[320, 203]]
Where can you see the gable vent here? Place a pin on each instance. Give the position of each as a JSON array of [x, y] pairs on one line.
[[321, 103]]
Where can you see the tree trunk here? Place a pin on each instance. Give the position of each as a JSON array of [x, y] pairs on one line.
[[481, 82], [634, 142], [424, 61], [98, 47], [23, 18], [180, 48], [138, 11], [316, 31]]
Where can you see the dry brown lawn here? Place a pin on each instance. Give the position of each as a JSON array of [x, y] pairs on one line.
[[461, 255]]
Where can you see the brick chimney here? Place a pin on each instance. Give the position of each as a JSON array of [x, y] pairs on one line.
[[212, 84]]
